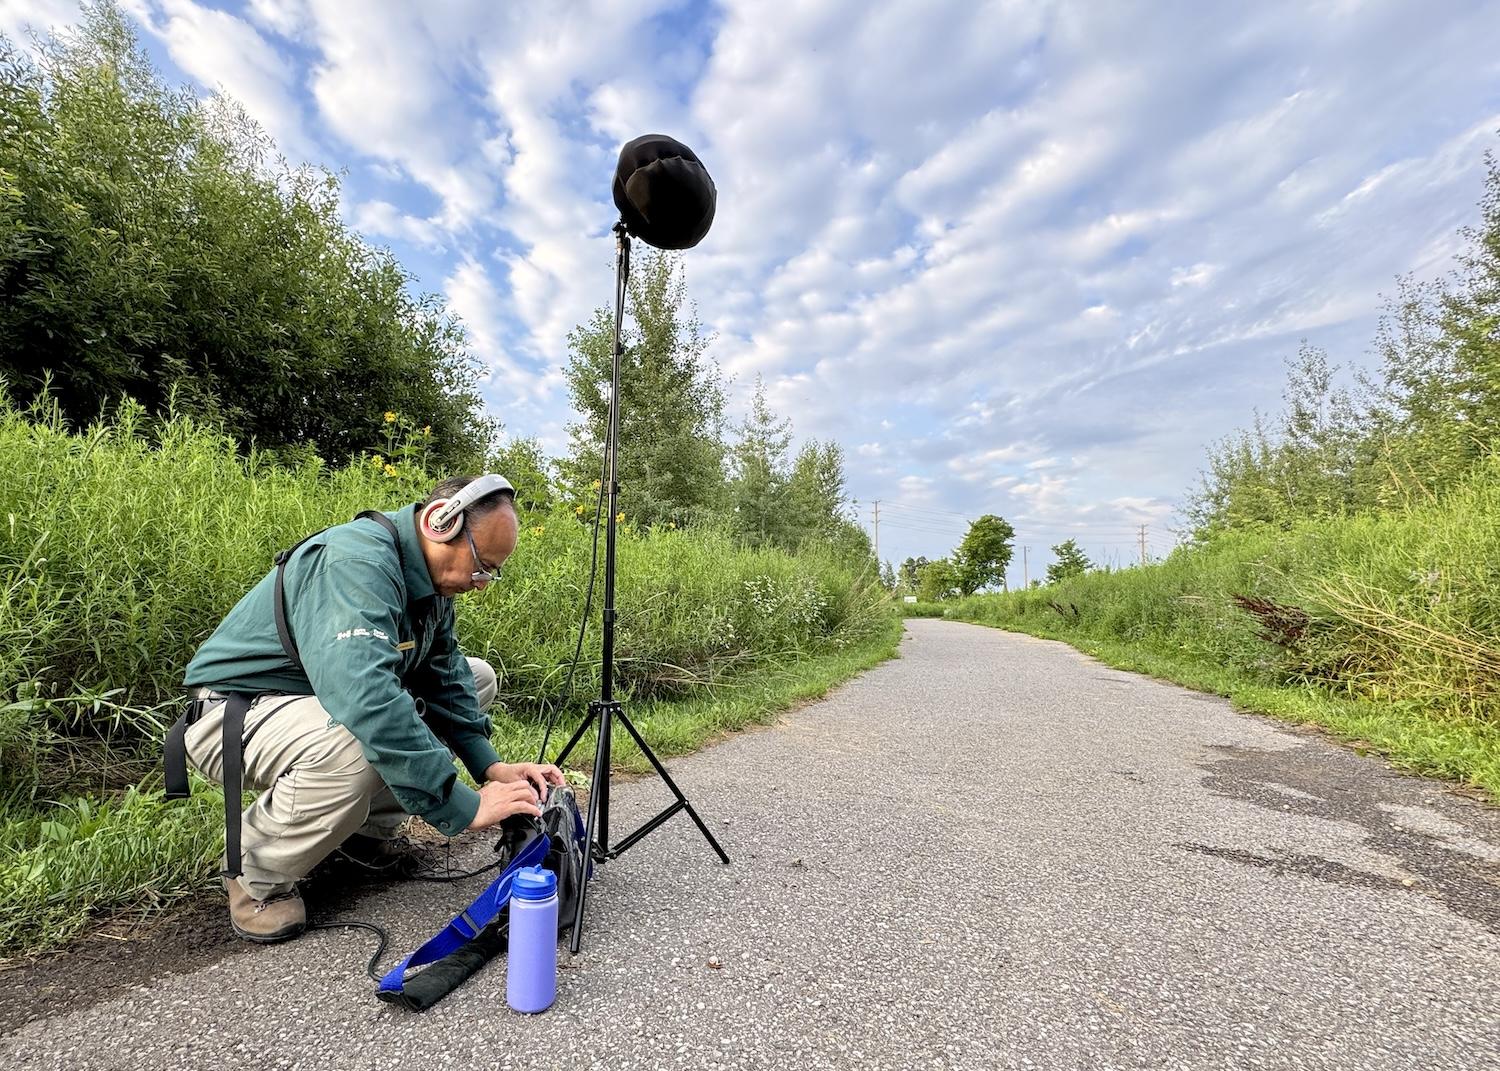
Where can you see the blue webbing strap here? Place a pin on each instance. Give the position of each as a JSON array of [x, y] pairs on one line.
[[468, 922]]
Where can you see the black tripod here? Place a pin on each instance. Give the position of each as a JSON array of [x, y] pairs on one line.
[[606, 709]]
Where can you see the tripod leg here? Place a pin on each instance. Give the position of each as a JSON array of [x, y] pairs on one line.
[[681, 799], [567, 750], [596, 800]]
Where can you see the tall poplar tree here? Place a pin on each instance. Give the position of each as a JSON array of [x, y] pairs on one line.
[[671, 454], [758, 486]]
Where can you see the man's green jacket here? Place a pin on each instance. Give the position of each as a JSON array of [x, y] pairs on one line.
[[377, 650]]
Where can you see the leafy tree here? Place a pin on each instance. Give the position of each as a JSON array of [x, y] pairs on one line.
[[1440, 349], [154, 245], [1316, 459], [1071, 561], [984, 554], [821, 505], [911, 570], [850, 544], [795, 507], [816, 495], [522, 462], [887, 576], [671, 400], [758, 488], [937, 580]]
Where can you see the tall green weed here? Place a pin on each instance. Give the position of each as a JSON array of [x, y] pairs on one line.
[[122, 547], [1400, 606]]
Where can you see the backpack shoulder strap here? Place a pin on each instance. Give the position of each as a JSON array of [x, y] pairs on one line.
[[278, 601], [283, 627], [467, 925], [385, 522]]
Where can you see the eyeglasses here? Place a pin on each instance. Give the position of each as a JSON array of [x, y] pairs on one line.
[[483, 573]]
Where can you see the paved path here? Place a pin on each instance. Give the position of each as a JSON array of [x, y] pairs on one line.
[[991, 852]]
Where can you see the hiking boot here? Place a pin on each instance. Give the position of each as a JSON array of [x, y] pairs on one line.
[[278, 917]]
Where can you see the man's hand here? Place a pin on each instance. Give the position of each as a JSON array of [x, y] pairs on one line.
[[498, 800], [537, 774]]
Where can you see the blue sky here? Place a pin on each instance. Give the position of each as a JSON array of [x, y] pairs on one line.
[[1018, 258]]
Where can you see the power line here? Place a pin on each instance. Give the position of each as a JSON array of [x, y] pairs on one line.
[[929, 531], [930, 522], [926, 509]]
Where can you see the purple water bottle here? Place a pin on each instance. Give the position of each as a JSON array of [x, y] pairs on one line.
[[531, 968]]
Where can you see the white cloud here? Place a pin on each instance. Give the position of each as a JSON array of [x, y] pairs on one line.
[[228, 53], [289, 18], [1197, 275], [473, 296], [915, 488], [21, 19], [383, 219]]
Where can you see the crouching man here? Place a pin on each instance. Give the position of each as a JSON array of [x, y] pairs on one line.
[[355, 699]]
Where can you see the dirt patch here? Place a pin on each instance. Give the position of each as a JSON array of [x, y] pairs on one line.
[[116, 959], [123, 955]]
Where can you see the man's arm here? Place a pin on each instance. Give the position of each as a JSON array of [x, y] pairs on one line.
[[446, 687], [344, 618]]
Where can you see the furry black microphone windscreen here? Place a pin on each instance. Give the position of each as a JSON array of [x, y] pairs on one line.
[[663, 192]]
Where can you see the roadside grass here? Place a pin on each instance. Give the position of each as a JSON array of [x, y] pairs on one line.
[[923, 609], [123, 546]]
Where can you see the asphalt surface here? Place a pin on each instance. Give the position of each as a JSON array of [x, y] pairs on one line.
[[991, 852]]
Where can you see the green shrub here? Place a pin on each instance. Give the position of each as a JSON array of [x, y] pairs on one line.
[[62, 867], [123, 546]]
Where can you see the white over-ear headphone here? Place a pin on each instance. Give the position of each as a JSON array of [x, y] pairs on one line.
[[442, 519]]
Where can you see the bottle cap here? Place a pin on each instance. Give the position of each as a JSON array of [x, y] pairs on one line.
[[533, 883]]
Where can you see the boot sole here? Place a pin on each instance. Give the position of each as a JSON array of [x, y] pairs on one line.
[[270, 938]]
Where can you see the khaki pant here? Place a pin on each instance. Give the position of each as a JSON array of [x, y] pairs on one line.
[[316, 787]]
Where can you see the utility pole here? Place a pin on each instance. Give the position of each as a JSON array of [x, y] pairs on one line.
[[877, 532], [1143, 544], [1025, 567]]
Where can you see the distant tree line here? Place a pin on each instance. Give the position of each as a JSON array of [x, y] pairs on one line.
[[977, 563]]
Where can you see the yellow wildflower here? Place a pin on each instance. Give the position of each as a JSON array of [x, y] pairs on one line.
[[671, 525], [539, 529], [597, 485], [427, 430], [578, 510], [377, 461], [620, 517], [390, 470], [390, 418]]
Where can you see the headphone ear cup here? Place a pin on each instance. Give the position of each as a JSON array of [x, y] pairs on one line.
[[444, 534]]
